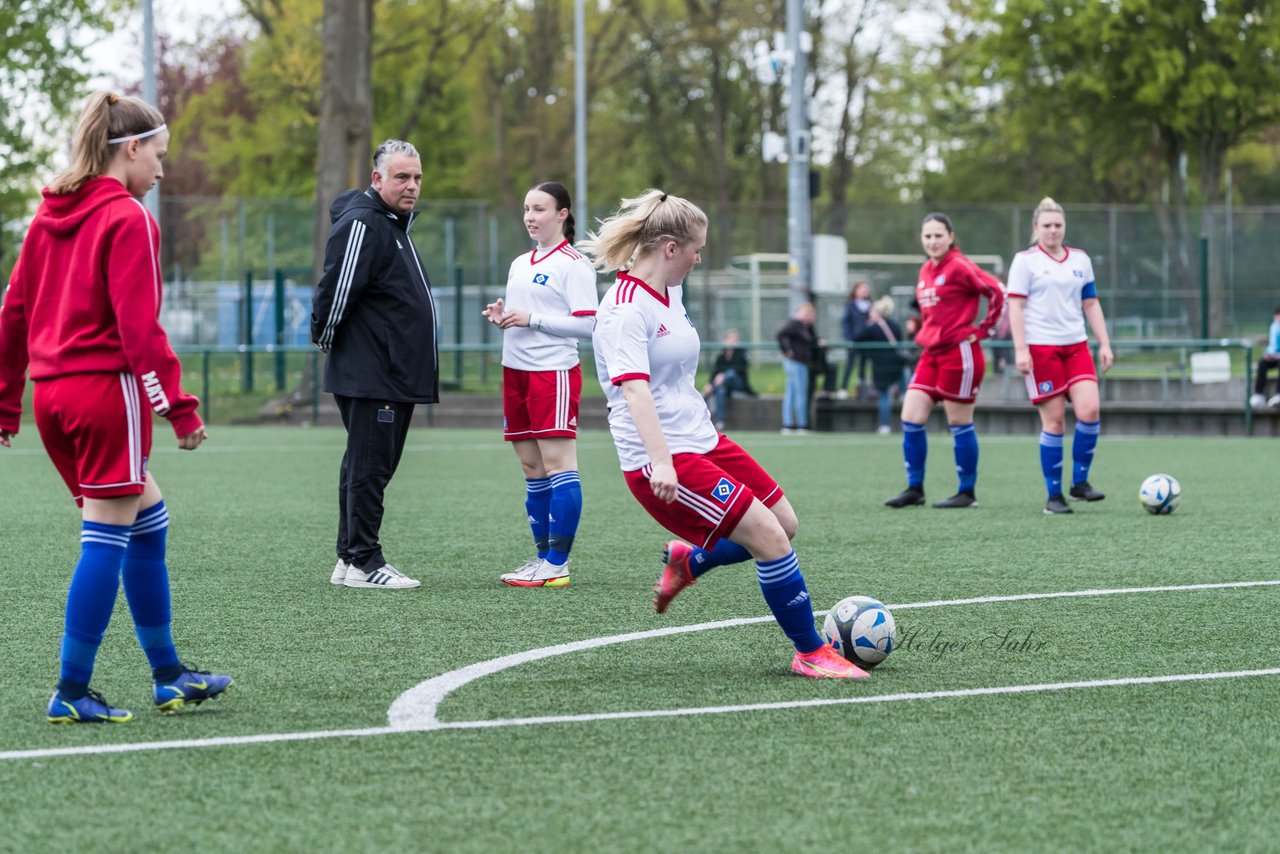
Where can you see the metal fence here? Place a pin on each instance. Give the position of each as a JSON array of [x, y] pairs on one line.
[[211, 245]]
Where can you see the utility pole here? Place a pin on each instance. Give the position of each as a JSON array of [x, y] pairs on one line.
[[152, 198], [799, 240], [580, 112]]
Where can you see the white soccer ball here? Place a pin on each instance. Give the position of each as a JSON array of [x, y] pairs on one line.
[[861, 629], [1160, 494]]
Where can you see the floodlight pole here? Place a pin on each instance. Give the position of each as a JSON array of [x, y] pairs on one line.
[[580, 110], [152, 198], [799, 242]]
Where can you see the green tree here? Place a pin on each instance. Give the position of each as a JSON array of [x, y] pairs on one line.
[[42, 81], [1172, 85]]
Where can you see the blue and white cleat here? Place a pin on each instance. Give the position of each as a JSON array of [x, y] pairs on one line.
[[92, 708], [192, 688]]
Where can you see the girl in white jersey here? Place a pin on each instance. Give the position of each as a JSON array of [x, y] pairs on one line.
[[1051, 295], [695, 482], [550, 304]]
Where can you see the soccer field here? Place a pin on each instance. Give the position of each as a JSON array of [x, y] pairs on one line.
[[1139, 713]]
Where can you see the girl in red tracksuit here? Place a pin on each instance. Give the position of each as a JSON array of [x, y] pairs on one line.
[[81, 315], [951, 361]]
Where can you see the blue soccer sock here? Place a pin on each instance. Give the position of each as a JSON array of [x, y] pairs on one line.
[[537, 503], [1084, 443], [90, 600], [915, 447], [723, 553], [146, 589], [1051, 461], [566, 510], [966, 450], [785, 592]]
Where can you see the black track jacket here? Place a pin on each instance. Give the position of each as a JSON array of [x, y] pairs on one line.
[[372, 310]]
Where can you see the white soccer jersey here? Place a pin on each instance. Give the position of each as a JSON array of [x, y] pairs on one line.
[[643, 335], [556, 283], [1053, 292]]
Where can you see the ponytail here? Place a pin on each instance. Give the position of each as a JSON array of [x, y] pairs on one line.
[[640, 224], [106, 116]]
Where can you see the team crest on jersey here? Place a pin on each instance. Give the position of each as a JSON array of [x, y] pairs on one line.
[[1079, 274], [940, 281], [541, 279], [1046, 386], [724, 490], [662, 330]]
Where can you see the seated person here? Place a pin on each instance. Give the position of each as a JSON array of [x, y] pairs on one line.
[[1269, 362], [728, 375]]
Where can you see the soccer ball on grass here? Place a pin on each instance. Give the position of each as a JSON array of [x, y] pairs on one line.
[[1160, 494], [861, 629]]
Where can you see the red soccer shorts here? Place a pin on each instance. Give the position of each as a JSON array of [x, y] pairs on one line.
[[1057, 367], [952, 373], [540, 404], [97, 430], [715, 489]]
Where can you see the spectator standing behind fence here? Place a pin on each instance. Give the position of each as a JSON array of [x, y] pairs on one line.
[[951, 360], [798, 341], [853, 320], [373, 313], [1051, 295], [1269, 362], [728, 376], [886, 361], [81, 312], [695, 482], [550, 303]]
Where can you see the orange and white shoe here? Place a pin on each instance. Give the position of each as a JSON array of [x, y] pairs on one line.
[[825, 663], [675, 576]]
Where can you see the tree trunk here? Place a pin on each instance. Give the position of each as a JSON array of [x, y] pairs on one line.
[[346, 110]]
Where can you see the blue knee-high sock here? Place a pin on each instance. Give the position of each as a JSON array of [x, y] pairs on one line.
[[1051, 461], [1083, 444], [566, 510], [146, 589], [966, 448], [915, 447], [788, 598], [537, 502], [723, 553], [89, 603]]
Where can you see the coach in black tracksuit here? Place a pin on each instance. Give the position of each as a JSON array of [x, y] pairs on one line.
[[373, 313]]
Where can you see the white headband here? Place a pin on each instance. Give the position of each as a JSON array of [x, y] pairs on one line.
[[142, 135]]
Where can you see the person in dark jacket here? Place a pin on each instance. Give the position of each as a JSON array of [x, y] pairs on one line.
[[728, 375], [373, 313], [798, 341], [853, 320], [886, 362]]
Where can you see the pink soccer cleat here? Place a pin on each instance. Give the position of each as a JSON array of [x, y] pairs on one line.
[[675, 576], [825, 663]]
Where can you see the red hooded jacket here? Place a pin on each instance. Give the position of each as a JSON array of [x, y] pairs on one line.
[[84, 298]]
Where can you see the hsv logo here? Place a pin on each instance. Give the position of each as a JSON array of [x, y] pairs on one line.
[[940, 281], [540, 279], [1045, 386], [724, 490], [1079, 274], [155, 394], [662, 330]]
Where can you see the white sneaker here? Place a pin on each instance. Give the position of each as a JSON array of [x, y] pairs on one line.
[[340, 570], [384, 577], [788, 431], [883, 429], [1274, 401], [1257, 402], [525, 570], [539, 574]]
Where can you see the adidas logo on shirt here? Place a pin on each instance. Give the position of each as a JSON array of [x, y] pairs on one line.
[[662, 330]]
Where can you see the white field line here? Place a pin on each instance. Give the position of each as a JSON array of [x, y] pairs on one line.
[[415, 709]]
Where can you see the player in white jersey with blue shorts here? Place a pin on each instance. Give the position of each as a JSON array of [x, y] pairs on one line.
[[1051, 294], [696, 482], [550, 303]]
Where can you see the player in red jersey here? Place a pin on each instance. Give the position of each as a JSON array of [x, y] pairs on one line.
[[951, 359], [550, 303], [81, 315]]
